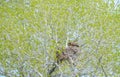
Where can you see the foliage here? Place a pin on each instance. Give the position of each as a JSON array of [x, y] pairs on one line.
[[32, 30]]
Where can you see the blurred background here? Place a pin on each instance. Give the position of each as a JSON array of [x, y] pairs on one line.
[[32, 30]]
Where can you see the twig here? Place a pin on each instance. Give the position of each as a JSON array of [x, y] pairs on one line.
[[53, 69], [99, 43], [40, 75], [101, 56], [102, 67]]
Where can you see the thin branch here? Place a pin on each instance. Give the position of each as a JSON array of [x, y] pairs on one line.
[[101, 56], [99, 43], [53, 69], [102, 67], [40, 75]]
